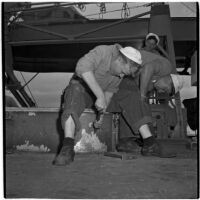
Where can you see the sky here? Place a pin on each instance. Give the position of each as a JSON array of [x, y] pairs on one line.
[[47, 87], [176, 9]]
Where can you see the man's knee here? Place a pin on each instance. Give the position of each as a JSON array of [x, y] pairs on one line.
[[74, 104], [73, 99], [74, 91], [77, 87], [75, 117]]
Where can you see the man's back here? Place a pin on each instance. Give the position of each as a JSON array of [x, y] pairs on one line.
[[164, 67]]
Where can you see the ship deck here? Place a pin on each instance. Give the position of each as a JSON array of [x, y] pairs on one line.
[[92, 176]]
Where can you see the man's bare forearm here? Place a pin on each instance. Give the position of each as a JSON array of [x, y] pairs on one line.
[[89, 78]]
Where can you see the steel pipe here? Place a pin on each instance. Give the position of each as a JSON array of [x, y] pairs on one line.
[[43, 30], [93, 39]]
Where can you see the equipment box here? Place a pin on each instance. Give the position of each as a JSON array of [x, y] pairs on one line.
[[39, 129]]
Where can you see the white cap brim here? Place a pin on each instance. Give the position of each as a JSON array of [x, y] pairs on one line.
[[131, 57], [154, 35]]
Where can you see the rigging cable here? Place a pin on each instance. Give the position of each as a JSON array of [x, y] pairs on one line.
[[102, 10], [133, 7], [125, 11], [29, 89], [81, 6]]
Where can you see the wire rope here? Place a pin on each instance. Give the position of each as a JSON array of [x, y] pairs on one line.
[[133, 7], [125, 12], [29, 89]]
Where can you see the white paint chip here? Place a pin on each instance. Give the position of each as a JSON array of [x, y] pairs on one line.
[[28, 147], [31, 114]]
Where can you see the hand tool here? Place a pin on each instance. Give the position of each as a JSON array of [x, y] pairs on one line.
[[99, 119]]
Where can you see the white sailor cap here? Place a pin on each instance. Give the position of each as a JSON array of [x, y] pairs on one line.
[[132, 53], [153, 35]]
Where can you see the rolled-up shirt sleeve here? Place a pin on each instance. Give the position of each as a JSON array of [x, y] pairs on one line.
[[90, 61]]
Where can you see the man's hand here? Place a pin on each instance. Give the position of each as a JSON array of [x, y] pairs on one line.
[[99, 120], [100, 104]]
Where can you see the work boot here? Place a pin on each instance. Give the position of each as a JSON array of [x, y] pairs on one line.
[[65, 157], [157, 149]]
